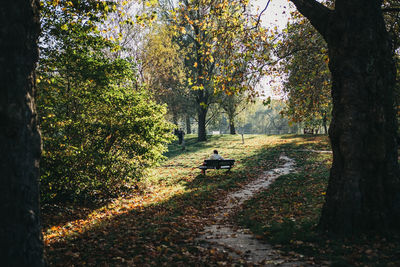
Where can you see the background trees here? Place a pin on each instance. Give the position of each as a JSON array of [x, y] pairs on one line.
[[164, 72], [233, 105], [304, 61], [220, 38], [101, 129], [268, 119]]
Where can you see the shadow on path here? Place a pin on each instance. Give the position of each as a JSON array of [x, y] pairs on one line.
[[239, 242], [163, 233]]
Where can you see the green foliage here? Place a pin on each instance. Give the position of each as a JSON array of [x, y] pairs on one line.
[[233, 105], [305, 64], [267, 119], [100, 128], [163, 68], [224, 50], [108, 139]]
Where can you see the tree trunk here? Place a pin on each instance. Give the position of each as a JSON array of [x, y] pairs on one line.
[[20, 233], [202, 134], [232, 127], [324, 120], [175, 119], [364, 190], [188, 127]]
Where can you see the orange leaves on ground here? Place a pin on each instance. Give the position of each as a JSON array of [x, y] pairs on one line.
[[160, 225], [60, 232]]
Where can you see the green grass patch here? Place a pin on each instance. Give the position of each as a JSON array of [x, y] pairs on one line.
[[157, 224], [287, 214]]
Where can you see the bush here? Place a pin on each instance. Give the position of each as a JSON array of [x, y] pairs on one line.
[[97, 134]]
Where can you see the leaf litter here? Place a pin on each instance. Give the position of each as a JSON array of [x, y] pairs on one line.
[[160, 226], [240, 242]]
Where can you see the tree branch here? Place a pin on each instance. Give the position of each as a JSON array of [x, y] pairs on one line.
[[259, 16], [212, 117], [316, 13]]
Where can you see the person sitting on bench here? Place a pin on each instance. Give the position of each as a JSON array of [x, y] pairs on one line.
[[216, 156], [216, 162]]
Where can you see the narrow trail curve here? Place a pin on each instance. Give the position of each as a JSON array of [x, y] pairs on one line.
[[238, 242]]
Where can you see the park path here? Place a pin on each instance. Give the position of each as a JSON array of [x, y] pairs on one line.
[[239, 242]]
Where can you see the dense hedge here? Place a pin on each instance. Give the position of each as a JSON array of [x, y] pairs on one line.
[[100, 128], [101, 143]]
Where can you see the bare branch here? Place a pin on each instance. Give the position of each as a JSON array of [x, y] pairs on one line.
[[259, 16], [316, 13], [215, 113]]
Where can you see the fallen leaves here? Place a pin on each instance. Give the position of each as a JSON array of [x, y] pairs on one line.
[[159, 226], [288, 212]]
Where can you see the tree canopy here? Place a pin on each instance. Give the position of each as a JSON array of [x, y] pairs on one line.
[[303, 59], [100, 127]]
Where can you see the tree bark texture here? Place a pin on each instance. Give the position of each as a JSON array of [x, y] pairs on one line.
[[363, 194], [324, 121], [175, 118], [202, 133], [188, 126], [20, 145], [232, 127]]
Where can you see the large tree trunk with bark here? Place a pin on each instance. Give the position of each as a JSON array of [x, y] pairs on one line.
[[232, 127], [202, 134], [364, 188], [324, 121], [175, 118], [188, 126], [20, 233]]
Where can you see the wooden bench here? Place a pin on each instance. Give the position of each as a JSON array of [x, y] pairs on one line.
[[308, 131], [226, 164]]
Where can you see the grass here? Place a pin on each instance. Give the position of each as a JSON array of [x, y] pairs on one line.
[[157, 224], [287, 215]]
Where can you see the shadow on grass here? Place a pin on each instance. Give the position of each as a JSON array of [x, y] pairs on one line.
[[153, 235], [162, 233], [303, 136], [53, 214], [288, 212], [59, 214]]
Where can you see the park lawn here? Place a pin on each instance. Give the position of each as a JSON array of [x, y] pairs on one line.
[[287, 214], [156, 224]]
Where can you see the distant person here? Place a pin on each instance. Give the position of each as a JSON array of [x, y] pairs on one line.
[[181, 136], [216, 156]]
